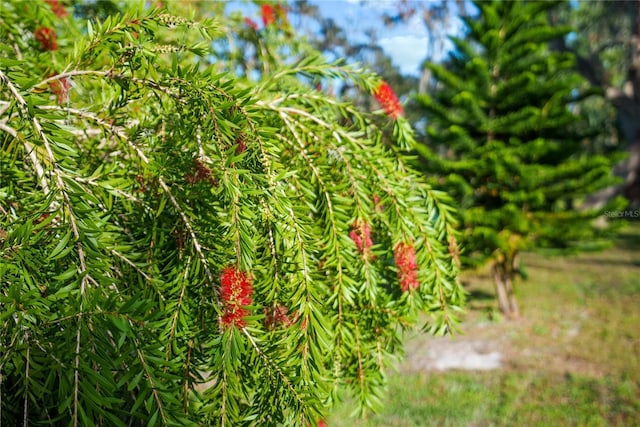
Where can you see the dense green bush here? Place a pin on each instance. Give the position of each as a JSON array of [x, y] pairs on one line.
[[192, 232]]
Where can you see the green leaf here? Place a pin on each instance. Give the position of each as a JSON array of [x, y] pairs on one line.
[[61, 248]]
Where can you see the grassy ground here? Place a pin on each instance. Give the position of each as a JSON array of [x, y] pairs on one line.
[[572, 360]]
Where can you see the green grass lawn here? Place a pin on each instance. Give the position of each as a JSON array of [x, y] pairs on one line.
[[572, 360]]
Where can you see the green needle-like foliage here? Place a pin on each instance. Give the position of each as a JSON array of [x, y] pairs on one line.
[[186, 243], [506, 138]]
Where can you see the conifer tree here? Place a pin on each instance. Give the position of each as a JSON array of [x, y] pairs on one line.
[[191, 233], [505, 137]]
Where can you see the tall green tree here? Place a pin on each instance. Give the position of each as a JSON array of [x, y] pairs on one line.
[[606, 43], [188, 238], [505, 137]]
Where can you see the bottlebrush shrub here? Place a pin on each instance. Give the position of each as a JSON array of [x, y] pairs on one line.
[[176, 239]]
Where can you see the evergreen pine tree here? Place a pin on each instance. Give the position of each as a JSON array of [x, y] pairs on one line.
[[505, 137]]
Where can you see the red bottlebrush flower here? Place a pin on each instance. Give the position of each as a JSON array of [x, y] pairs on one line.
[[387, 98], [268, 14], [322, 423], [57, 8], [405, 256], [60, 88], [47, 38], [235, 292], [251, 23], [361, 236]]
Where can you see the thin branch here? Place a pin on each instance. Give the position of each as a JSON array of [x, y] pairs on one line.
[[154, 389], [236, 218], [128, 261], [121, 133], [185, 220], [117, 191], [74, 227], [116, 130], [14, 91], [272, 245], [4, 106], [272, 365], [32, 156], [358, 345], [153, 85], [223, 389], [70, 74], [1, 366], [331, 213], [25, 416], [174, 320]]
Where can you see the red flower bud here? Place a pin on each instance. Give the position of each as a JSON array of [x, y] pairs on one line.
[[235, 293], [47, 38], [251, 23], [387, 98], [60, 88], [361, 236], [405, 256], [268, 15]]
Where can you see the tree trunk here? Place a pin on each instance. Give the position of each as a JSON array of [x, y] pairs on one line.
[[514, 310], [632, 180], [503, 281], [503, 275], [628, 107], [501, 291]]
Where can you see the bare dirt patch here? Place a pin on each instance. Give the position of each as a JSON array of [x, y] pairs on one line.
[[441, 354]]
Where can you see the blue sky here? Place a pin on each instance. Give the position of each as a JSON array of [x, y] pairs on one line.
[[406, 43]]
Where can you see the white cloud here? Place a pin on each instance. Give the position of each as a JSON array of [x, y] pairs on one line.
[[415, 25], [406, 51]]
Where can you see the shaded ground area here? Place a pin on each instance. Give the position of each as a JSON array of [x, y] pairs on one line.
[[572, 359]]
